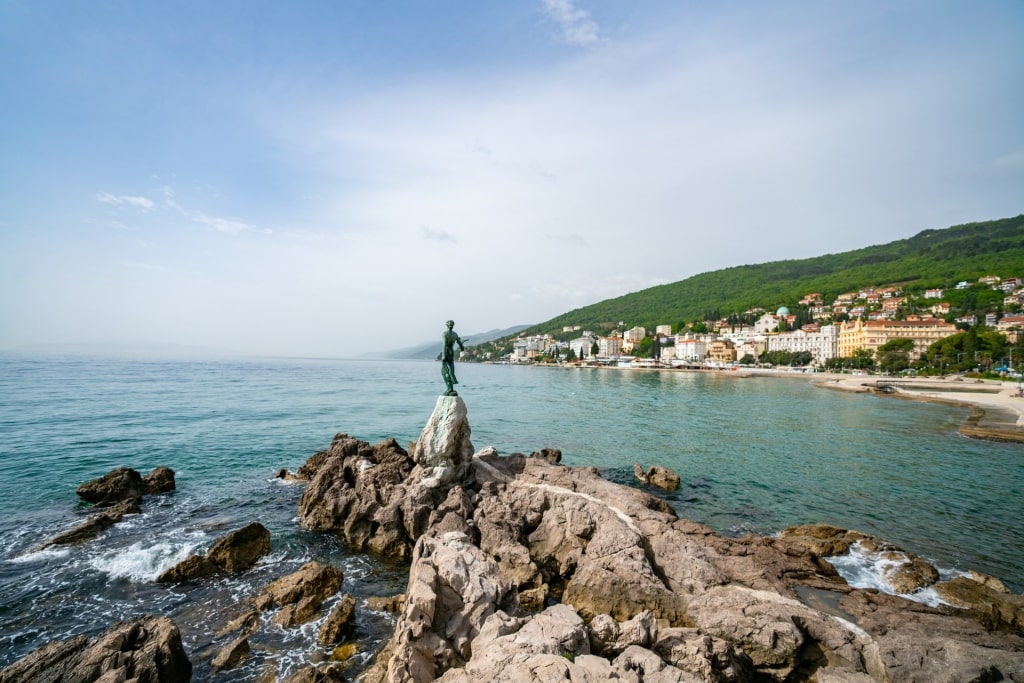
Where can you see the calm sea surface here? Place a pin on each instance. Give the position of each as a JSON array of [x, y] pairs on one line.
[[755, 454]]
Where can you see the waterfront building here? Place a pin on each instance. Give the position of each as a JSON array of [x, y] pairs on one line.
[[691, 348], [874, 333], [721, 351], [822, 343]]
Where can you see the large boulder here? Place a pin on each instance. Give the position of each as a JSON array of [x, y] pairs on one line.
[[232, 553], [160, 480], [119, 484], [300, 595], [147, 650], [444, 450]]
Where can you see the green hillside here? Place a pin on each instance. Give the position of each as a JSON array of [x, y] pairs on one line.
[[933, 258]]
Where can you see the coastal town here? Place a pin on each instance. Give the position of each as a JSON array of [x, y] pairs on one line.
[[887, 328]]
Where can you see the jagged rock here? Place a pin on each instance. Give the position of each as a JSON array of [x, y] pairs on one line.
[[91, 527], [727, 609], [610, 638], [191, 568], [360, 492], [147, 650], [119, 484], [160, 480], [713, 659], [338, 621], [238, 550], [656, 475], [993, 608], [552, 455], [231, 654], [453, 587], [313, 580], [909, 574], [444, 450], [823, 540], [234, 552]]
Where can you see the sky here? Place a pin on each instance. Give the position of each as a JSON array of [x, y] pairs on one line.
[[321, 178]]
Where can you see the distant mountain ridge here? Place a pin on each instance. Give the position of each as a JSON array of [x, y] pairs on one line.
[[430, 350], [932, 258]]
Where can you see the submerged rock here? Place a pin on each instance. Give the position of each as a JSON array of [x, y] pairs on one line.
[[96, 523], [147, 650], [656, 475], [160, 480]]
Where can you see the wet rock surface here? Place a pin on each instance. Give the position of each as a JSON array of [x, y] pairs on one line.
[[147, 650], [234, 552]]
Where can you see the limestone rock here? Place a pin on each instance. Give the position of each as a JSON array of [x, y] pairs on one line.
[[238, 550], [610, 638], [338, 621], [993, 608], [234, 552], [909, 573], [231, 654], [119, 484], [361, 493], [160, 480], [713, 659], [191, 568], [823, 540], [656, 475], [147, 650], [393, 603], [453, 588], [96, 523], [314, 580], [444, 450]]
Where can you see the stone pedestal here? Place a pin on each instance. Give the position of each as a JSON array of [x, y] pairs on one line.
[[444, 449]]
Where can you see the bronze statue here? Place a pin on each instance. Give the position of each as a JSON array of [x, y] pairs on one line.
[[450, 339]]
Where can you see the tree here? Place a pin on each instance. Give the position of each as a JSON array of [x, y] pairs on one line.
[[747, 360], [595, 349], [570, 356], [863, 359], [894, 355]]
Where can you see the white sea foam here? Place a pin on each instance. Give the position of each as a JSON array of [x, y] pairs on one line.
[[865, 569], [40, 555], [145, 560]]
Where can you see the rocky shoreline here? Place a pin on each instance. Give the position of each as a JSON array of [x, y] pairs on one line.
[[523, 569]]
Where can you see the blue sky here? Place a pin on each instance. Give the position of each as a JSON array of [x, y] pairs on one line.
[[329, 178]]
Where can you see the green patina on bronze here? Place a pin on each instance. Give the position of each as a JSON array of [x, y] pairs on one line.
[[450, 339]]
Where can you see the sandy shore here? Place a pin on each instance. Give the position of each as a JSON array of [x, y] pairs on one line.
[[997, 412]]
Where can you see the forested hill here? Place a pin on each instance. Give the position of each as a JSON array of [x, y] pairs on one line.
[[933, 258]]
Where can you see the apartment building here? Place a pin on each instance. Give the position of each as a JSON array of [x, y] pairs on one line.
[[874, 333]]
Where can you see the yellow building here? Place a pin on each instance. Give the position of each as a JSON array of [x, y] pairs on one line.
[[873, 333]]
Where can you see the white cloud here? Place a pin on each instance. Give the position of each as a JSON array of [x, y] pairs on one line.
[[576, 26], [142, 204]]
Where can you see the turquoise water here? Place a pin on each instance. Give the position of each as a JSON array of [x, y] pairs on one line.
[[755, 454]]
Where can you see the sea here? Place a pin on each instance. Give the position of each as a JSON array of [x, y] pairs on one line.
[[755, 454]]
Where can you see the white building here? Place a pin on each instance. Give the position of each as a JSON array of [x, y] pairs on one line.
[[663, 331], [691, 347], [822, 345]]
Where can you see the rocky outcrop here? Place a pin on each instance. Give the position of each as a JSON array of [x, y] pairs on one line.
[[119, 484], [160, 480], [232, 553], [656, 475], [96, 523], [147, 650], [523, 569]]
